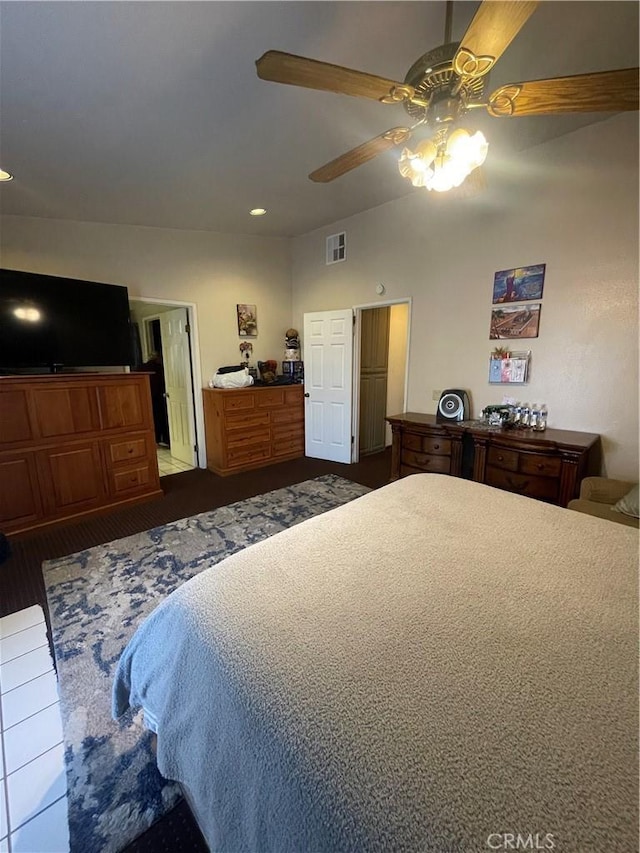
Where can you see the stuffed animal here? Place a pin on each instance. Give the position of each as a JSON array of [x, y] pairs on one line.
[[292, 345], [268, 370]]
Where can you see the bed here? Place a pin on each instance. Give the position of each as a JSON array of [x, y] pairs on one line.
[[436, 666]]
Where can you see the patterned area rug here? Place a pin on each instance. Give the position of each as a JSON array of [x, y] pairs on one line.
[[97, 598]]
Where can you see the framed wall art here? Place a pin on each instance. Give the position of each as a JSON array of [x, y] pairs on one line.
[[515, 321], [512, 369], [519, 284], [247, 321]]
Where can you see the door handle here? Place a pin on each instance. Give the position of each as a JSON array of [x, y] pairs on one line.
[[307, 394]]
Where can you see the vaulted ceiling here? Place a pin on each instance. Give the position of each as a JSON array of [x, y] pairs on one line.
[[151, 113]]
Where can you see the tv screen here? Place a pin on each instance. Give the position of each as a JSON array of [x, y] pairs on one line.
[[53, 323]]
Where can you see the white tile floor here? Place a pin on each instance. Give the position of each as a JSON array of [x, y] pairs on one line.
[[33, 784], [168, 464]]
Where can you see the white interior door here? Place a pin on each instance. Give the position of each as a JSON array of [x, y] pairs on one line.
[[177, 377], [328, 363]]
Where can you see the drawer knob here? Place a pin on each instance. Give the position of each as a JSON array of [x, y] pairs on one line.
[[436, 447], [130, 450], [540, 466], [500, 458]]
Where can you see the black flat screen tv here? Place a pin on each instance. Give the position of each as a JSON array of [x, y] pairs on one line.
[[51, 324]]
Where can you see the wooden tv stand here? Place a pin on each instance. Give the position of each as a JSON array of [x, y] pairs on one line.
[[546, 465], [73, 445]]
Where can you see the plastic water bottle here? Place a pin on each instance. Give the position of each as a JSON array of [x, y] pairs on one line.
[[533, 417], [542, 418], [524, 419]]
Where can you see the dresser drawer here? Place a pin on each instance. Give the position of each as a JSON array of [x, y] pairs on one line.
[[247, 420], [239, 401], [436, 445], [291, 444], [269, 398], [426, 443], [426, 462], [290, 414], [241, 438], [237, 456], [411, 441], [130, 479], [127, 450], [543, 488], [286, 431], [501, 458], [542, 466]]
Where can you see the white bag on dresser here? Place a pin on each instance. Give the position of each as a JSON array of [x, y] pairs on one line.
[[235, 379]]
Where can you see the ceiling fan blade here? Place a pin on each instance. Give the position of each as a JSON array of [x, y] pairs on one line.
[[362, 154], [611, 91], [281, 67], [493, 28]]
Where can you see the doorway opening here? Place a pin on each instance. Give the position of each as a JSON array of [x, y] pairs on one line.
[[356, 373], [165, 333], [380, 372]]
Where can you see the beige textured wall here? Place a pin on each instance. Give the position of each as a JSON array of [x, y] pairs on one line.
[[572, 205], [215, 271]]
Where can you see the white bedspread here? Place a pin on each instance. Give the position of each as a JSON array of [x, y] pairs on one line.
[[426, 668]]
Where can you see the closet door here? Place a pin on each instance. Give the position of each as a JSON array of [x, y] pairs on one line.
[[374, 356]]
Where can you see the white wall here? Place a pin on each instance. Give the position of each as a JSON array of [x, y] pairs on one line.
[[571, 203], [215, 271]]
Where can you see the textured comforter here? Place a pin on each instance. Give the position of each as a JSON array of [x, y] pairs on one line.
[[430, 667]]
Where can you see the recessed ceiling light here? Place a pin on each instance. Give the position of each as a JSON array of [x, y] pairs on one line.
[[257, 211], [5, 176]]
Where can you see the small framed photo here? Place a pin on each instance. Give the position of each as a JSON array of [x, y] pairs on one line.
[[515, 321], [510, 370], [519, 284], [247, 321]]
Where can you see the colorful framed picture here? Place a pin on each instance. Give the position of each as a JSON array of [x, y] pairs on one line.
[[247, 321], [513, 370], [515, 321], [518, 285]]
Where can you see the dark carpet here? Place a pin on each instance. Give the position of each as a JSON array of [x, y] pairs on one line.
[[22, 585]]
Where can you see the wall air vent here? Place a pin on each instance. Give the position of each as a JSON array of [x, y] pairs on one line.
[[337, 248]]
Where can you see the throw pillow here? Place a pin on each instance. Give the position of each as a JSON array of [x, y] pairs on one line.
[[629, 503]]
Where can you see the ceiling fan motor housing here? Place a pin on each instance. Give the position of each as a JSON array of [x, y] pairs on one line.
[[433, 78]]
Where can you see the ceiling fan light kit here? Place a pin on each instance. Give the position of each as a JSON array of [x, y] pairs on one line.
[[446, 83], [444, 162]]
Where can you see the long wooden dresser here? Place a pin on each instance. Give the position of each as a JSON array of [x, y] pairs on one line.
[[546, 465], [73, 445], [251, 427]]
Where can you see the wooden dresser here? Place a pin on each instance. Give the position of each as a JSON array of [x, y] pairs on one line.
[[74, 445], [251, 427], [546, 465]]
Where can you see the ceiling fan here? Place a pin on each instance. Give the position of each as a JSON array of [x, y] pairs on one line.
[[445, 84]]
